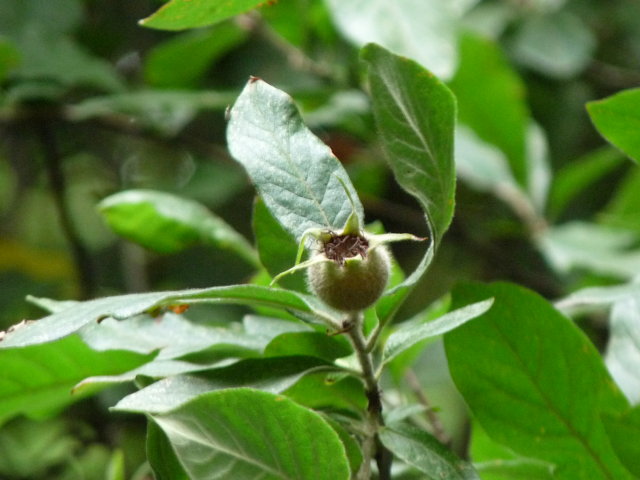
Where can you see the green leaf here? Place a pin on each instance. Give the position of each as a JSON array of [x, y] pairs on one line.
[[277, 249], [161, 457], [575, 178], [420, 450], [622, 210], [599, 296], [167, 223], [275, 375], [33, 383], [535, 382], [597, 248], [407, 336], [415, 114], [314, 344], [617, 118], [183, 14], [9, 58], [70, 320], [423, 30], [624, 430], [243, 433], [165, 66], [623, 348], [499, 116], [558, 44], [517, 469], [297, 175], [166, 111], [498, 462]]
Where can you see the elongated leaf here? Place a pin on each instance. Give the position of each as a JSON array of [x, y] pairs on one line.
[[422, 451], [406, 337], [535, 382], [166, 111], [296, 174], [594, 247], [243, 433], [623, 349], [173, 335], [273, 375], [423, 30], [70, 320], [182, 14], [599, 296], [39, 378], [167, 223], [415, 114], [617, 118]]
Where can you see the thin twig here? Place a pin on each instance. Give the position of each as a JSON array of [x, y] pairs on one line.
[[433, 419], [297, 58]]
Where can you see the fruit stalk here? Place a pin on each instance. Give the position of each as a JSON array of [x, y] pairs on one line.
[[372, 447]]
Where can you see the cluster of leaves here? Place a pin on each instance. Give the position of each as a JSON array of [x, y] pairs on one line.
[[239, 393]]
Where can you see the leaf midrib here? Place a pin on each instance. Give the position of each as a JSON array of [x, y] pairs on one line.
[[569, 426]]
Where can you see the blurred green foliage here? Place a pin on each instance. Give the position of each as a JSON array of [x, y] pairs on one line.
[[92, 103]]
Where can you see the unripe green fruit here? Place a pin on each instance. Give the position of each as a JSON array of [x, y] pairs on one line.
[[355, 284]]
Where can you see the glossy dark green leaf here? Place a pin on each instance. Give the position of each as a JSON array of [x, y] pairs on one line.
[[623, 430], [182, 14], [72, 319], [617, 118], [422, 451], [275, 375], [407, 336], [415, 115], [535, 382], [243, 433], [33, 383], [297, 176], [499, 115], [167, 223]]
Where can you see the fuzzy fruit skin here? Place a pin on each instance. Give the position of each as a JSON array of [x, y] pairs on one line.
[[353, 286]]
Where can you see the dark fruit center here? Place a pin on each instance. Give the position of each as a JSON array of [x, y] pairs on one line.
[[341, 247]]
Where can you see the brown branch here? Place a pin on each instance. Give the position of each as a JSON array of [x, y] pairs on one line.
[[436, 425]]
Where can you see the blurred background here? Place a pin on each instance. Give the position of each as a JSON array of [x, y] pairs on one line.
[[92, 103]]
